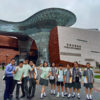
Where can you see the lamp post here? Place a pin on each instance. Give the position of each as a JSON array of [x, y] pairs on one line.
[[6, 58]]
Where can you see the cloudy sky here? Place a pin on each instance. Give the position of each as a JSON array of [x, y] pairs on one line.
[[87, 11]]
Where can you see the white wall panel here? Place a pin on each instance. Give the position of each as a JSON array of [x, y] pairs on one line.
[[70, 36]]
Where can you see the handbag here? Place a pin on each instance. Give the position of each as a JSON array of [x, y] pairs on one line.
[[52, 77], [4, 77]]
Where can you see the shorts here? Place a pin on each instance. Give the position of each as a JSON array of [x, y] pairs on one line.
[[52, 81], [60, 83], [76, 85], [88, 85], [68, 85], [43, 82]]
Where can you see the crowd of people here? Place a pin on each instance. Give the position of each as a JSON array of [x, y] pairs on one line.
[[67, 79]]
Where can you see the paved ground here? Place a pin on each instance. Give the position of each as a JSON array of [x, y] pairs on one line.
[[96, 93]]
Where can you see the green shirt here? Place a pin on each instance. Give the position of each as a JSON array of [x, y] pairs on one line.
[[26, 68], [45, 72], [19, 73]]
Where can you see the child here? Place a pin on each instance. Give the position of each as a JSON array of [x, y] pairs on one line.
[[68, 79], [60, 79], [18, 78], [24, 85], [32, 80], [88, 81], [65, 94], [53, 78], [76, 79], [44, 78]]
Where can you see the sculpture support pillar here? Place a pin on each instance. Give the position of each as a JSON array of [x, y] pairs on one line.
[[42, 42], [24, 48]]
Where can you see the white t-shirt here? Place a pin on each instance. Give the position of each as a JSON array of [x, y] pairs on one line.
[[60, 74]]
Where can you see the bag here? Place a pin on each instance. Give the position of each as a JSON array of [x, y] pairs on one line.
[[19, 82], [4, 77], [85, 80], [52, 77]]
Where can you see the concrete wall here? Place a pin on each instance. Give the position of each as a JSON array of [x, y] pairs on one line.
[[77, 44]]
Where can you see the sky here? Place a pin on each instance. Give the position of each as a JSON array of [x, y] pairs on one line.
[[86, 11]]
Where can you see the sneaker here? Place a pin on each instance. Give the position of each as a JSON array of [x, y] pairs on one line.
[[73, 95], [44, 94], [31, 97], [22, 96], [11, 96], [62, 95], [28, 97], [90, 97], [41, 97], [87, 97], [65, 94], [57, 95], [51, 92], [69, 96], [78, 96], [17, 97], [54, 92]]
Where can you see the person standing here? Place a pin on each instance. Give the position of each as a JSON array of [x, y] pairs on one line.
[[88, 81], [60, 80], [24, 85], [66, 92], [46, 72], [9, 71], [18, 77], [3, 65], [76, 79], [68, 80], [32, 79], [53, 79]]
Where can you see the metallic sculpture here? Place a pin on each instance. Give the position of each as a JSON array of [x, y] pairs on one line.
[[37, 27]]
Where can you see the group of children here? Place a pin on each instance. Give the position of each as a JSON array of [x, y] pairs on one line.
[[69, 77]]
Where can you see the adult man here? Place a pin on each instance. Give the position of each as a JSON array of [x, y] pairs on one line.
[[9, 71]]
